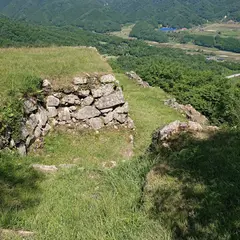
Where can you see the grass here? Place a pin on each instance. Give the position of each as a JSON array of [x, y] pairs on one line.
[[58, 64], [125, 31], [226, 30], [88, 201], [194, 188]]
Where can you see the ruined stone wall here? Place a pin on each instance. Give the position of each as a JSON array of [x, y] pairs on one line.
[[88, 102]]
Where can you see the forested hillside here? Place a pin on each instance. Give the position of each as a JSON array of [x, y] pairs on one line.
[[189, 78], [107, 15]]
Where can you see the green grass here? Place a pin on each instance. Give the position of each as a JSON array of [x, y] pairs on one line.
[[194, 189], [88, 201], [57, 64]]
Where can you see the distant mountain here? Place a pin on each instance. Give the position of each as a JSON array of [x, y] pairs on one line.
[[108, 15]]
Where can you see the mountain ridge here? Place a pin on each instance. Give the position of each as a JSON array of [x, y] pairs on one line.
[[103, 16]]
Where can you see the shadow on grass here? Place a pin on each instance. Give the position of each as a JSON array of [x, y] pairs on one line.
[[197, 192], [18, 188]]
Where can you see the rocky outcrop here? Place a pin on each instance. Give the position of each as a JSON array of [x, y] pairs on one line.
[[90, 101], [188, 110], [132, 75], [163, 137]]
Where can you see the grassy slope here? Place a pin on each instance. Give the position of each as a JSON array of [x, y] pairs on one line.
[[59, 64], [88, 202]]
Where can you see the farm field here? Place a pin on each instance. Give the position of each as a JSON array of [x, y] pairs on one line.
[[231, 29]]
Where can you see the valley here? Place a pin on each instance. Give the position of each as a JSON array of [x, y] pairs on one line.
[[113, 129]]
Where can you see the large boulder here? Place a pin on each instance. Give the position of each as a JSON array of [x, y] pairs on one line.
[[87, 112], [110, 101]]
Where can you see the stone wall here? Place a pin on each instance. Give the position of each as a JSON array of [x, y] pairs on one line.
[[132, 75], [88, 102]]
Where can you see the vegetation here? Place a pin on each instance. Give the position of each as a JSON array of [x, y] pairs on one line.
[[105, 202], [107, 16], [190, 78], [222, 43], [146, 31], [194, 187], [194, 191]]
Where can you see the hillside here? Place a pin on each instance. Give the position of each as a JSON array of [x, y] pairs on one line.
[[88, 201], [102, 16]]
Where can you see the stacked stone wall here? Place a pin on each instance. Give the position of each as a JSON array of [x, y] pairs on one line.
[[89, 102]]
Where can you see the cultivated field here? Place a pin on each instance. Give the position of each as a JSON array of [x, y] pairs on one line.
[[230, 29], [125, 32]]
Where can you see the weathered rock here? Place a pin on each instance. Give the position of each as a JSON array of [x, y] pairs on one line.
[[57, 95], [130, 123], [96, 123], [46, 130], [67, 166], [87, 112], [135, 77], [103, 90], [52, 101], [111, 100], [52, 112], [12, 143], [30, 106], [109, 78], [42, 117], [191, 113], [64, 114], [163, 135], [106, 110], [37, 132], [30, 140], [6, 233], [46, 84], [83, 93], [70, 99], [45, 168], [73, 108], [22, 150], [194, 126], [108, 118], [24, 132], [87, 101], [122, 118], [31, 123], [80, 80], [123, 109]]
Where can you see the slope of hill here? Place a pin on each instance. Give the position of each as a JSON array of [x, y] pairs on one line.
[[103, 15], [88, 201]]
